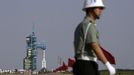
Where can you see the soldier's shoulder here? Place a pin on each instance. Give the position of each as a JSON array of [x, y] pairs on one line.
[[85, 22]]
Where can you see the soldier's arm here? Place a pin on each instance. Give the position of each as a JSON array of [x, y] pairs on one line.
[[98, 52]]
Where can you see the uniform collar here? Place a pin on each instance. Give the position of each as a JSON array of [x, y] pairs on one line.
[[90, 20]]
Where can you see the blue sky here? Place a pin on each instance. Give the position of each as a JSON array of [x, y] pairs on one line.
[[55, 22]]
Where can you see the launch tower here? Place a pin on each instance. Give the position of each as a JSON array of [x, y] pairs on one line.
[[30, 61]]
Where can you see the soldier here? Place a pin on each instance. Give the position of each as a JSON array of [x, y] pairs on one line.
[[86, 42]]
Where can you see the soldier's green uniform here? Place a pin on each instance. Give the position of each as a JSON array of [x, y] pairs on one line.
[[92, 36], [82, 66]]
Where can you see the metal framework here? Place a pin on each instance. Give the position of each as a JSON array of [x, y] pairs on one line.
[[30, 61]]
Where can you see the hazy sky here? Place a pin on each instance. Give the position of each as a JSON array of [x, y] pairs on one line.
[[55, 22]]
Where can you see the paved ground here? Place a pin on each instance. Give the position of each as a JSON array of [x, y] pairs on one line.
[[39, 74], [55, 74], [52, 74]]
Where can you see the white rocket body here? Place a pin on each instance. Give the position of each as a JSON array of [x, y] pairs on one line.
[[43, 60]]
